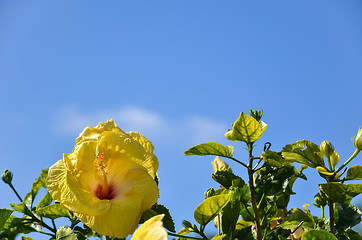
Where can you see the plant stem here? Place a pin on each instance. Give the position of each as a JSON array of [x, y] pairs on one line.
[[331, 216], [234, 159], [49, 234], [54, 226], [322, 209], [329, 163], [349, 159], [182, 236], [16, 193], [252, 193], [30, 213]]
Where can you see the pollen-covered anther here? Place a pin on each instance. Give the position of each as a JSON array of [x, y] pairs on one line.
[[104, 190]]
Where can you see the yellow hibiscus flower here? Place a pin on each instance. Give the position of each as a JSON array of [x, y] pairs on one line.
[[152, 229], [108, 179]]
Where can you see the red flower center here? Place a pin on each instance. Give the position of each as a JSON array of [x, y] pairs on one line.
[[105, 192]]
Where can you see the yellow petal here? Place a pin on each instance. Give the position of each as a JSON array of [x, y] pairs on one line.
[[324, 171], [220, 165], [119, 221], [90, 133], [107, 180], [115, 145], [137, 192], [139, 182], [152, 229], [80, 162], [65, 188], [151, 158]]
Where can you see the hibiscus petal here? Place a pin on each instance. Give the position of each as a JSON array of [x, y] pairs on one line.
[[137, 182], [151, 160], [65, 188], [152, 229], [90, 133], [124, 214]]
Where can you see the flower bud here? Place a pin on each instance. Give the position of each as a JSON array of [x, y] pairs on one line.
[[358, 140], [256, 114], [327, 148], [319, 200], [220, 165], [7, 176], [334, 158], [209, 193], [186, 224]]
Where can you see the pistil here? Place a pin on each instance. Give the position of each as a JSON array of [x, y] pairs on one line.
[[103, 190]]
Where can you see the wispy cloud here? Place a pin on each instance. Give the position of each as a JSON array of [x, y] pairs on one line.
[[156, 126]]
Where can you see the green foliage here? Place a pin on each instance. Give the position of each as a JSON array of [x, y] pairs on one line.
[[38, 183], [348, 217], [45, 201], [65, 233], [354, 173], [26, 238], [252, 209], [167, 219], [211, 148], [340, 193], [53, 211], [210, 207], [320, 200], [246, 129], [304, 152], [219, 237], [274, 159], [4, 216], [295, 217], [318, 235], [349, 235], [226, 178]]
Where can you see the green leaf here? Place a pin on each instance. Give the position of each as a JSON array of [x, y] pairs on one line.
[[147, 215], [280, 237], [304, 152], [45, 201], [246, 129], [38, 183], [318, 235], [65, 233], [340, 193], [210, 207], [26, 238], [242, 193], [19, 207], [4, 216], [349, 235], [295, 217], [348, 217], [243, 224], [219, 237], [354, 173], [226, 178], [211, 148], [53, 211], [185, 230], [14, 226], [167, 219], [274, 159], [230, 215]]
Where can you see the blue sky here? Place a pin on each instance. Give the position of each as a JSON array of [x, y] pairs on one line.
[[179, 72]]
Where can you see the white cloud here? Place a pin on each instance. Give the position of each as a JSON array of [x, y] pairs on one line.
[[155, 126]]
